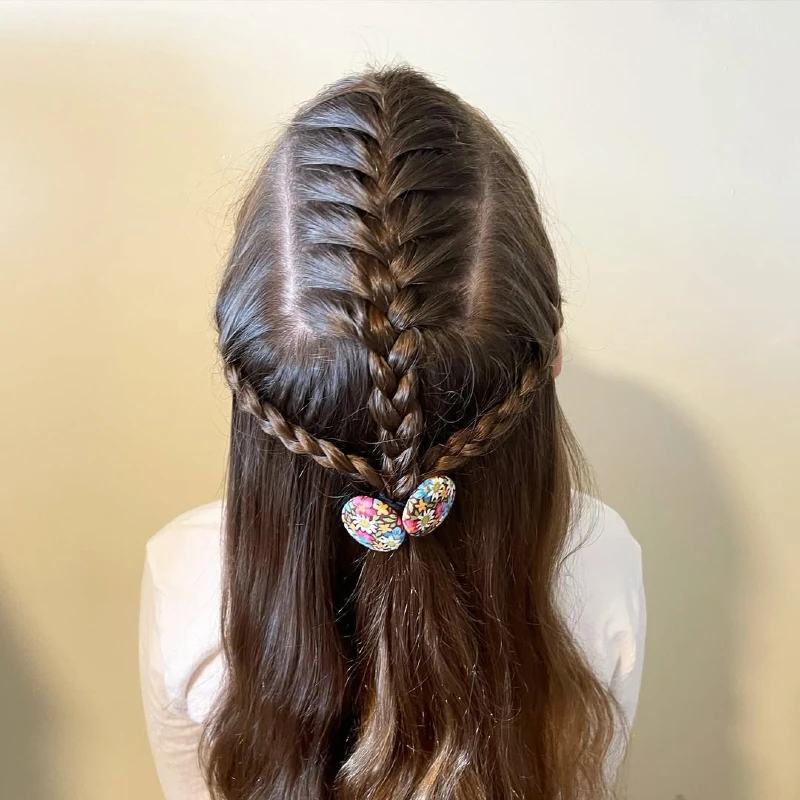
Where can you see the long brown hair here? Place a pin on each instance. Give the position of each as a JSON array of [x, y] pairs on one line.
[[390, 310]]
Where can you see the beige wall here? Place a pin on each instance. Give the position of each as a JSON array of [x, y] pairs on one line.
[[665, 142]]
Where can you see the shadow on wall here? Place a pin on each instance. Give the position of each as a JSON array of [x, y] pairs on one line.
[[27, 723], [657, 471]]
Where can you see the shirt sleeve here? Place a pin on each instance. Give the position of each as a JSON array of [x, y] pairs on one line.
[[604, 604], [174, 736], [626, 681]]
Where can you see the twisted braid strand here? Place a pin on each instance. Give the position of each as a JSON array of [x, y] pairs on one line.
[[488, 430], [297, 439]]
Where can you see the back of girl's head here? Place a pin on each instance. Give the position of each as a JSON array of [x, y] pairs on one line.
[[391, 310]]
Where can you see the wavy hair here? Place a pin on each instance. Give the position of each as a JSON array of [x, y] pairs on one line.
[[390, 310]]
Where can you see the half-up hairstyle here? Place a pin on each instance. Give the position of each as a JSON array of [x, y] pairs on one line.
[[390, 311]]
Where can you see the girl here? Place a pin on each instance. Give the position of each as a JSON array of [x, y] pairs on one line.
[[405, 596]]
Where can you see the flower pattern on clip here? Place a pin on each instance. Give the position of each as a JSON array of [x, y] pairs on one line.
[[429, 504], [373, 523]]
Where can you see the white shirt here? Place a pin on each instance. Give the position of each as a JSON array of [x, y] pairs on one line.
[[601, 595]]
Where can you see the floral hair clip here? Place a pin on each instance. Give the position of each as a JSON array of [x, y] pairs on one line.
[[379, 524]]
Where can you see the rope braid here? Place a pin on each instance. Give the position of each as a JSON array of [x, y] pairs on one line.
[[298, 440], [488, 430]]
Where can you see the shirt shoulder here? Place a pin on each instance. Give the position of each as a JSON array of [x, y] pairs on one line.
[[602, 598], [602, 549], [195, 532], [183, 567]]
